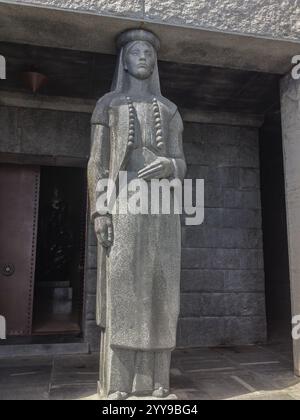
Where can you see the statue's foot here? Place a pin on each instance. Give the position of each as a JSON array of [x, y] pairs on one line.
[[160, 393], [118, 396]]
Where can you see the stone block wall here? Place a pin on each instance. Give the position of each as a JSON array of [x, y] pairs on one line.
[[223, 301], [222, 281], [44, 133], [271, 18]]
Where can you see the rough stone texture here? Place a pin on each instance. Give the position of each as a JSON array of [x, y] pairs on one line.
[[265, 18], [269, 18], [290, 100], [132, 8]]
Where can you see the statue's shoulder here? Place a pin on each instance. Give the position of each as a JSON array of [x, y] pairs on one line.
[[100, 114], [171, 107], [101, 111]]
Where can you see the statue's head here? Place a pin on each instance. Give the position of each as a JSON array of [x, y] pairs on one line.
[[139, 52], [139, 59]]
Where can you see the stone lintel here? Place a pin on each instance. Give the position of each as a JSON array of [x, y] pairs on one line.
[[86, 106]]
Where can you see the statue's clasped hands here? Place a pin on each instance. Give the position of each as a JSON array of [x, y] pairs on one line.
[[160, 168]]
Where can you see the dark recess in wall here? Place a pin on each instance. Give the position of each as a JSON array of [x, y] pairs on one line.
[[278, 302]]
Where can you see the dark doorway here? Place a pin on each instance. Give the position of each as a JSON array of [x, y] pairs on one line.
[[278, 300], [58, 296], [19, 191]]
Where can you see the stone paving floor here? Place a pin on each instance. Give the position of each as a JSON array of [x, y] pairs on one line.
[[237, 373]]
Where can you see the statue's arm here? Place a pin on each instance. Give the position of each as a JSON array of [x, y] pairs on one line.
[[176, 148], [173, 165], [98, 165]]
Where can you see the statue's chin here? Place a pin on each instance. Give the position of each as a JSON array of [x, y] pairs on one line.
[[142, 74]]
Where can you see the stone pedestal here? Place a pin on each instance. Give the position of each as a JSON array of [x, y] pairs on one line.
[[290, 109]]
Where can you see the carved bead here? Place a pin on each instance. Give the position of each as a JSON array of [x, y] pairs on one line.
[[160, 145], [159, 133]]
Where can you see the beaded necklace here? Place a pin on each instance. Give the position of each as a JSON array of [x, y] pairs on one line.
[[157, 119]]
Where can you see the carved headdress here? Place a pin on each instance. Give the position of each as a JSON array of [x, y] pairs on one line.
[[133, 35], [124, 42]]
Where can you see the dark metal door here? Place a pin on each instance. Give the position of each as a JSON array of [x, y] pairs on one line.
[[19, 197]]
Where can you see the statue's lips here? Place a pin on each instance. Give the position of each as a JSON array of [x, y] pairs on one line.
[[142, 66]]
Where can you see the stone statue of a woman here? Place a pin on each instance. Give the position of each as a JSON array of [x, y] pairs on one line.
[[135, 129]]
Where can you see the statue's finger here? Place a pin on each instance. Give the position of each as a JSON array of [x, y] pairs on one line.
[[152, 166], [151, 171], [153, 163], [153, 175], [110, 234]]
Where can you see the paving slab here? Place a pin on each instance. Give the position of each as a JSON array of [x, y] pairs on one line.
[[239, 373]]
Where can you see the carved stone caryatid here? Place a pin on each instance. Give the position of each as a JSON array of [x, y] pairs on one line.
[[135, 129]]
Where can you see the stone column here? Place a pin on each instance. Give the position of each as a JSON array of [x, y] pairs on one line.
[[290, 110]]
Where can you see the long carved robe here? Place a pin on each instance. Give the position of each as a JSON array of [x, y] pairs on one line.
[[139, 278]]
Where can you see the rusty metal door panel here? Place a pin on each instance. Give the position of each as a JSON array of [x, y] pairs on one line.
[[19, 196]]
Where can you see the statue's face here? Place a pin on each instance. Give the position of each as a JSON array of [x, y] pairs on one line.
[[140, 60]]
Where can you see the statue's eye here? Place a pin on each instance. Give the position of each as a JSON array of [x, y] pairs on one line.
[[135, 52]]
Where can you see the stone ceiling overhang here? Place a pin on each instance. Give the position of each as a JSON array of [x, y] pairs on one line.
[[86, 31]]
